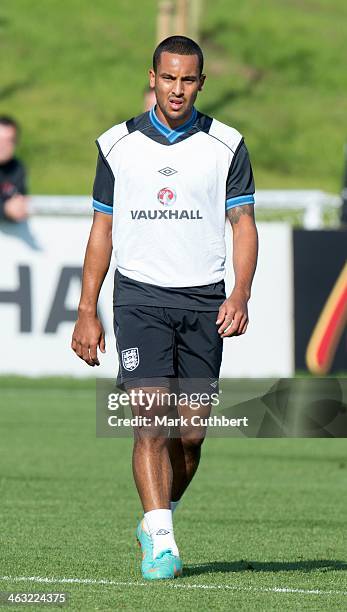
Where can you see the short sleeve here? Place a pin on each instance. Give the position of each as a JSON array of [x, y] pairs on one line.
[[240, 182], [21, 182], [103, 190]]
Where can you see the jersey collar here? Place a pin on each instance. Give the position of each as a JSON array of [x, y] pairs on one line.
[[172, 135]]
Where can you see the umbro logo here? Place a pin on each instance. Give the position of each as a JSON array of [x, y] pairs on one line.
[[162, 532], [167, 171]]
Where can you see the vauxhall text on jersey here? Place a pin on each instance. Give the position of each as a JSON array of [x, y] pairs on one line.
[[169, 191], [166, 214]]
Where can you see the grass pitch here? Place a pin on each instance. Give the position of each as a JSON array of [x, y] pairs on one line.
[[261, 527]]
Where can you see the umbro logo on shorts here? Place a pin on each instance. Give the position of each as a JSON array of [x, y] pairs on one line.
[[167, 171], [130, 358], [162, 532]]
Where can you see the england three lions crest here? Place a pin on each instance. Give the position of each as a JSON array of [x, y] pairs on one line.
[[130, 358]]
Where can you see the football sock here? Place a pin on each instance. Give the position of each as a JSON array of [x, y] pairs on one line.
[[160, 528], [173, 504]]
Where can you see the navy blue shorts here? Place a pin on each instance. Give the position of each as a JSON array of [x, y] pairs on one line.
[[157, 343]]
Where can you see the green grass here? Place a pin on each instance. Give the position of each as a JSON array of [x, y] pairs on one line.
[[276, 71], [260, 514]]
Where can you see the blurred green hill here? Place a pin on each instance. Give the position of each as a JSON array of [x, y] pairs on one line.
[[276, 71]]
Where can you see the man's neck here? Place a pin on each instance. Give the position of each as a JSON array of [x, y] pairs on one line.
[[172, 124], [6, 162]]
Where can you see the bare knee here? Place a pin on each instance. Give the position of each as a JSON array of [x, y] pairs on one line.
[[192, 442], [148, 404], [150, 440]]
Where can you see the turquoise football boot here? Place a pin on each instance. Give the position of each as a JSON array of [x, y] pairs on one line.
[[164, 566], [145, 542]]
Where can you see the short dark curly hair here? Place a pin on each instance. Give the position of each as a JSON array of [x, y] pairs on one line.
[[182, 45], [9, 122]]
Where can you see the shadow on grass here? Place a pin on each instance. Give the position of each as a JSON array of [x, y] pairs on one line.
[[6, 91], [270, 566], [229, 96]]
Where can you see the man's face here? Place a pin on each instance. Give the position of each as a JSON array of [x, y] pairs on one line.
[[8, 140], [176, 83]]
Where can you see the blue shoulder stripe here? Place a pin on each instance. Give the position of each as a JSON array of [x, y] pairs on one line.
[[104, 208], [239, 201]]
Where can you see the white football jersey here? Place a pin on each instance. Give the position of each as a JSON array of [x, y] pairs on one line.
[[168, 191]]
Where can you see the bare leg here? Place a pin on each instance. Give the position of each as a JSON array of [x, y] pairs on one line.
[[184, 461], [163, 467], [151, 461], [185, 450]]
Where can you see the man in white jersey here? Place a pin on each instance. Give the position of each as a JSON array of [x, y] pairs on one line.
[[165, 183]]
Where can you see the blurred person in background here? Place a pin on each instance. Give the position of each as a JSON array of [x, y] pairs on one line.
[[13, 188], [149, 98]]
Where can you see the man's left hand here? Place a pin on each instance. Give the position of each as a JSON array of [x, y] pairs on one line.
[[233, 315]]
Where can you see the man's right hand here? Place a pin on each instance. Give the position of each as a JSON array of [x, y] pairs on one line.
[[87, 336], [16, 208]]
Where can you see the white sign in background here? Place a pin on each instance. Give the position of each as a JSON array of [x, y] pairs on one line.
[[46, 252]]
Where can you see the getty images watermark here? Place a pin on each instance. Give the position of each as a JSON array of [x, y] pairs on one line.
[[162, 404], [256, 408]]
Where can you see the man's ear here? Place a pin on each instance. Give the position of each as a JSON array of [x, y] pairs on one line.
[[151, 78], [202, 81]]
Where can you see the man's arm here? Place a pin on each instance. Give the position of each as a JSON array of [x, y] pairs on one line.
[[88, 333], [15, 208], [233, 312]]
